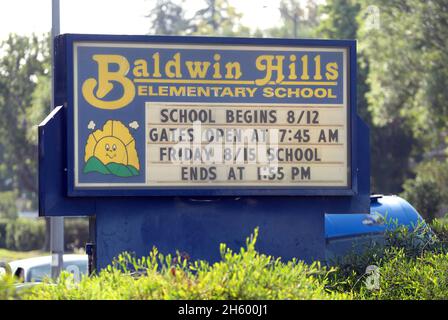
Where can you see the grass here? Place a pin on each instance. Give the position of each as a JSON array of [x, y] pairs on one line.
[[10, 255]]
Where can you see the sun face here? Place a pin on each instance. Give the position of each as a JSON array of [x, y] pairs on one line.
[[111, 149], [112, 145]]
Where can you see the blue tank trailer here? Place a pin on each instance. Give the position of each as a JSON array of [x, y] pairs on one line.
[[347, 232]]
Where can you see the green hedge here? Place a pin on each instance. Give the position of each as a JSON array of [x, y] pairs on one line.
[[440, 228], [76, 233], [8, 207], [25, 234], [404, 278]]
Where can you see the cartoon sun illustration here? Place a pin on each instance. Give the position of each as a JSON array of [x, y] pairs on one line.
[[111, 151]]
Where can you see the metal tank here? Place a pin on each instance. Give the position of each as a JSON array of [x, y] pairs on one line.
[[345, 233]]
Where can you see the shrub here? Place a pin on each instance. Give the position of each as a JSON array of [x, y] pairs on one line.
[[8, 208], [76, 233], [424, 196], [410, 258], [7, 288], [440, 228], [401, 277], [243, 275], [25, 234], [428, 192]]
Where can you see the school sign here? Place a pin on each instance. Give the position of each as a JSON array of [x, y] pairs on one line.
[[185, 116]]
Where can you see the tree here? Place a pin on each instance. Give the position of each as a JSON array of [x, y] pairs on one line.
[[24, 102], [409, 73], [218, 17], [391, 145], [298, 20], [168, 18], [340, 20], [428, 191], [23, 65], [408, 79]]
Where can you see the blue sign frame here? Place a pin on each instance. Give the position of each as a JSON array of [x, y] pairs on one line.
[[64, 95]]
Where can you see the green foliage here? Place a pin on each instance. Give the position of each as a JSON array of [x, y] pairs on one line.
[[25, 234], [410, 263], [391, 148], [340, 21], [423, 195], [24, 102], [76, 233], [25, 60], [391, 145], [393, 138], [8, 288], [218, 18], [440, 228], [246, 274], [428, 191], [214, 18], [403, 278], [40, 105], [8, 208], [168, 18], [95, 165], [298, 19], [408, 73], [402, 99]]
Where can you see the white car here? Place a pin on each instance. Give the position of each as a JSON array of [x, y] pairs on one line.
[[37, 268]]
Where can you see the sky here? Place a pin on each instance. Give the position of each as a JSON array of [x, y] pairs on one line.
[[111, 16]]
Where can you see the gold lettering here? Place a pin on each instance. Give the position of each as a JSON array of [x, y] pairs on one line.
[[236, 68], [197, 69], [106, 81], [266, 63], [140, 68], [173, 63], [156, 59], [332, 71]]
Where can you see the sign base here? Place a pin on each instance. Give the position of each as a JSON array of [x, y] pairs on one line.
[[198, 226]]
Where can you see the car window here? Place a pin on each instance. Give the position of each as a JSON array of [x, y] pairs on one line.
[[38, 273]]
